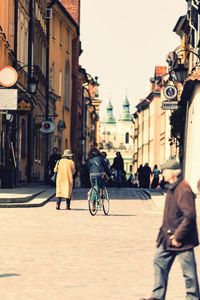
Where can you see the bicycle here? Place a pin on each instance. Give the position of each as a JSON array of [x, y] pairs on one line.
[[98, 199]]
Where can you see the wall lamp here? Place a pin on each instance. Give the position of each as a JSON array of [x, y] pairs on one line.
[[179, 68], [32, 81]]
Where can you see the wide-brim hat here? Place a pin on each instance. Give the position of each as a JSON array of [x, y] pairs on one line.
[[67, 152], [172, 164]]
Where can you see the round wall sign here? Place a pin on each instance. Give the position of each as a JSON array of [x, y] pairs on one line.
[[47, 127], [8, 76], [170, 92]]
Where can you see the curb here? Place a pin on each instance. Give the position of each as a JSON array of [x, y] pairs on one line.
[[20, 199], [28, 205]]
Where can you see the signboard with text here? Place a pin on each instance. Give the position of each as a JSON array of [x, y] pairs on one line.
[[171, 105], [8, 99]]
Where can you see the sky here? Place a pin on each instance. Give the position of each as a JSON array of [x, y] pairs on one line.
[[123, 41]]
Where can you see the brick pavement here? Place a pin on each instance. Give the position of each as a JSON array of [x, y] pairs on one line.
[[70, 255]]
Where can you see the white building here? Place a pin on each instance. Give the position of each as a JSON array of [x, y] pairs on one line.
[[117, 135]]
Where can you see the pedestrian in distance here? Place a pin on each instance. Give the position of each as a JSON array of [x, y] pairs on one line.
[[118, 166], [146, 176], [53, 158], [65, 169], [156, 173], [104, 155], [177, 236], [140, 176]]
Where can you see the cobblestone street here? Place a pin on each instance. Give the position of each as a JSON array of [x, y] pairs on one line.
[[50, 254]]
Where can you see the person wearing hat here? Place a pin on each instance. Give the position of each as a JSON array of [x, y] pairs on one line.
[[177, 236], [65, 169]]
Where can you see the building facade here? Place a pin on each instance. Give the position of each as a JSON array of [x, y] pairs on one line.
[[64, 30], [7, 58], [152, 125], [188, 28], [117, 135]]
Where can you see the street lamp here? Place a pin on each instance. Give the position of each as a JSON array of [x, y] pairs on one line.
[[32, 85], [179, 68], [32, 81], [180, 72]]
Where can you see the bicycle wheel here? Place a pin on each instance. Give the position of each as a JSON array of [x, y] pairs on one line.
[[92, 201], [106, 202]]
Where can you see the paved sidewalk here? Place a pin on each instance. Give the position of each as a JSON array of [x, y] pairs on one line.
[[48, 254]]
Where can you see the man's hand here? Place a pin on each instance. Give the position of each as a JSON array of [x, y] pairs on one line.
[[174, 242]]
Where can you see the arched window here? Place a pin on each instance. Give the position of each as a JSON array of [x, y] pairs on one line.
[[127, 138], [67, 85]]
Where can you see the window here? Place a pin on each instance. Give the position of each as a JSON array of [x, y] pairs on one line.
[[22, 51], [67, 100], [127, 138], [68, 40], [51, 77], [23, 139], [60, 84], [53, 26], [60, 33]]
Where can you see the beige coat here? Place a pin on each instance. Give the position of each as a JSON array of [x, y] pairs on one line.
[[64, 182]]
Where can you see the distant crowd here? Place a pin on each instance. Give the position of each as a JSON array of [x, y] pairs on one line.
[[145, 177]]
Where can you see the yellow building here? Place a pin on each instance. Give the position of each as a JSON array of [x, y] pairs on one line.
[[7, 53], [63, 31]]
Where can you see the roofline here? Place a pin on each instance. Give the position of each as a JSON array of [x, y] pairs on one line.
[[67, 14]]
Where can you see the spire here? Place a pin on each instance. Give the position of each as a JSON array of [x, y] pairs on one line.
[[109, 116], [125, 115]]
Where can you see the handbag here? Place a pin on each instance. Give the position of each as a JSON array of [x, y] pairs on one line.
[[54, 176]]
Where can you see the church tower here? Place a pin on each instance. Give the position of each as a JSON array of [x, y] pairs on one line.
[[124, 126], [108, 128]]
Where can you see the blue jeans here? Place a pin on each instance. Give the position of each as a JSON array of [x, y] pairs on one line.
[[162, 263], [118, 177]]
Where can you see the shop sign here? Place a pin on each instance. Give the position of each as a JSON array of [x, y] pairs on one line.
[[169, 105], [170, 92], [8, 99], [24, 107]]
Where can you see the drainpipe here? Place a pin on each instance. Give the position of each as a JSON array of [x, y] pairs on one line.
[[30, 70], [15, 117], [15, 31], [50, 5]]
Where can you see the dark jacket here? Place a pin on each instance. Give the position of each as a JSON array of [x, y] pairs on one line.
[[179, 217], [53, 158], [118, 164], [97, 165]]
